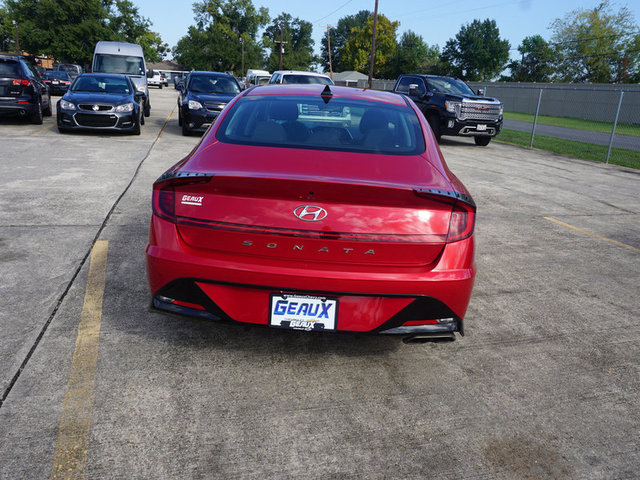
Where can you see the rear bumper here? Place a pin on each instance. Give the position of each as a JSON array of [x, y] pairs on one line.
[[13, 107], [233, 287]]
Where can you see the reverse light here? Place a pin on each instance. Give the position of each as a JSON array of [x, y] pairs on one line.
[[193, 105], [127, 107], [65, 105]]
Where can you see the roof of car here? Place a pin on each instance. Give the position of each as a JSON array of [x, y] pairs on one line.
[[205, 72], [98, 74], [301, 72], [336, 91]]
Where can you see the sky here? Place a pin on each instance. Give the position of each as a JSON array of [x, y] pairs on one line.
[[436, 22]]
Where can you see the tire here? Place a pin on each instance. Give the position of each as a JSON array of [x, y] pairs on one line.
[[179, 119], [160, 86], [434, 123], [185, 130], [141, 118], [47, 111], [36, 118], [482, 141], [147, 108], [62, 130]]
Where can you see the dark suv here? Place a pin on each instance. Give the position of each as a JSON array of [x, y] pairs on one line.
[[22, 91], [452, 108]]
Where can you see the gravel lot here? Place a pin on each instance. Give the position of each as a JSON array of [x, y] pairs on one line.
[[545, 384]]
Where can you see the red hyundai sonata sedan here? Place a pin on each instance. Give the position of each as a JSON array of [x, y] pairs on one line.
[[317, 208]]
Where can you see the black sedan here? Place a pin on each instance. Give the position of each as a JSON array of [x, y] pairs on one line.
[[58, 82], [100, 101], [202, 97], [22, 91]]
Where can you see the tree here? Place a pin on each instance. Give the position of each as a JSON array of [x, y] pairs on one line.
[[537, 61], [298, 47], [68, 30], [356, 52], [214, 42], [477, 52], [413, 55], [597, 45], [128, 26], [339, 36], [64, 29]]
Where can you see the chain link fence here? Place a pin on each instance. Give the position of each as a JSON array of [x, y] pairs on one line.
[[601, 124]]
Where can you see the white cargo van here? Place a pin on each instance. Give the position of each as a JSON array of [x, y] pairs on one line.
[[123, 58]]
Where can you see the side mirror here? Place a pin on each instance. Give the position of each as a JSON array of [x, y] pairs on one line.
[[481, 91], [138, 95], [413, 90]]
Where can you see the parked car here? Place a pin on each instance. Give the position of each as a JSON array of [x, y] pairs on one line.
[[299, 78], [256, 77], [72, 69], [452, 107], [202, 97], [165, 81], [22, 91], [125, 59], [301, 223], [102, 102], [154, 79], [58, 81]]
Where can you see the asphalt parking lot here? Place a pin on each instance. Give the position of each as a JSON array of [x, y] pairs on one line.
[[545, 384]]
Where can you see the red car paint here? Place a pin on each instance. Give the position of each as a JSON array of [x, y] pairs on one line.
[[393, 241]]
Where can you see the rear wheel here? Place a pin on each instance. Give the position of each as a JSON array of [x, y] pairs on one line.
[[482, 141], [160, 86], [47, 111], [147, 108], [179, 118], [36, 117], [434, 123]]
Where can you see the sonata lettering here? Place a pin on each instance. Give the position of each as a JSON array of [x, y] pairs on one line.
[[273, 245]]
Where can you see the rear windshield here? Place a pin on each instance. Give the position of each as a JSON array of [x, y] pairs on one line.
[[69, 68], [306, 79], [10, 68], [308, 122], [101, 84], [57, 75]]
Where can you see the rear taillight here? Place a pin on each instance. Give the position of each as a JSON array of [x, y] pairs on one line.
[[462, 223], [21, 81], [164, 195]]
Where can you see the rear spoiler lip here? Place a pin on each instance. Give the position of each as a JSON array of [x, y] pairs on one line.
[[456, 196], [197, 177]]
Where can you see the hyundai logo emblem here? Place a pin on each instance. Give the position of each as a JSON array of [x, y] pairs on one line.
[[310, 213], [95, 108]]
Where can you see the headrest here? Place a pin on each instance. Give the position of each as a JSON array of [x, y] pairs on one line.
[[286, 111], [373, 120]]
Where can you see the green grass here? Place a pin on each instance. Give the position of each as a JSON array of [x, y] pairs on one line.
[[591, 125], [588, 151]]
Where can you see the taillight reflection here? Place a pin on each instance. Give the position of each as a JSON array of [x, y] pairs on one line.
[[461, 223]]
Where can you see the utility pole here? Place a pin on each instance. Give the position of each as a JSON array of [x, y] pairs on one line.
[[373, 44], [242, 67], [15, 24], [329, 48], [281, 47]]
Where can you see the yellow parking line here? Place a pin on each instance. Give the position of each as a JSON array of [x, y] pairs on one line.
[[43, 130], [594, 235], [166, 122], [69, 461]]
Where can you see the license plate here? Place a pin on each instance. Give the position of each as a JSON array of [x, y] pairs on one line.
[[481, 128], [303, 312], [55, 83]]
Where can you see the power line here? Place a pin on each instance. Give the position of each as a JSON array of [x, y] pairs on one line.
[[339, 8]]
